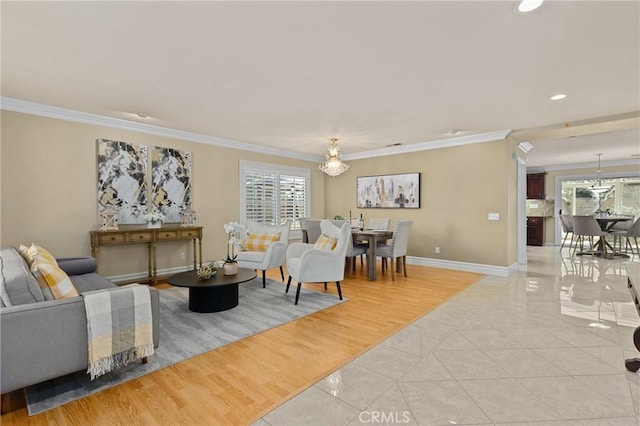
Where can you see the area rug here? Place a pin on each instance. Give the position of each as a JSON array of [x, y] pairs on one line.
[[184, 334]]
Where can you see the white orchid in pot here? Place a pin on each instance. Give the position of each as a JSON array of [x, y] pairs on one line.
[[237, 233]]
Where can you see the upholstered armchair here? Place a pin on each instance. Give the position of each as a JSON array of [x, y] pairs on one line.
[[320, 262], [265, 248]]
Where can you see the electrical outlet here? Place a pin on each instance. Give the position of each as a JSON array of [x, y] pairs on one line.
[[183, 255], [437, 250], [493, 216]]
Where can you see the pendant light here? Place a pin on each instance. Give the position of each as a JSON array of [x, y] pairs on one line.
[[599, 188], [334, 166]]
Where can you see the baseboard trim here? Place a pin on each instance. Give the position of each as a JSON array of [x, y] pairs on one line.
[[499, 271], [139, 275]]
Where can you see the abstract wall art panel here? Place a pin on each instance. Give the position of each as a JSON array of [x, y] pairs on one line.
[[122, 169], [171, 182]]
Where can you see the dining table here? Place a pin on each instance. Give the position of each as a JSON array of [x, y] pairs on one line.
[[372, 237], [606, 222]]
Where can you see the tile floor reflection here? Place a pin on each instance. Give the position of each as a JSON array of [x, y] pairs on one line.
[[544, 347]]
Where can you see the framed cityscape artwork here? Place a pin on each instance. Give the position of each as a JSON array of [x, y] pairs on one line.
[[400, 191]]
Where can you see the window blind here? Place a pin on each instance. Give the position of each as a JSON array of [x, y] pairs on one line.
[[271, 194]]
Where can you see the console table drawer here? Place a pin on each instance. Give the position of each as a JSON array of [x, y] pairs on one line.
[[140, 236], [167, 235], [112, 238], [192, 233]]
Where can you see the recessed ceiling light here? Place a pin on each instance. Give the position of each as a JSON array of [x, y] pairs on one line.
[[529, 5], [558, 96], [142, 115], [455, 131]]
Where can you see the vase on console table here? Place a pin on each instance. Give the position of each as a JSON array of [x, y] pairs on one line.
[[230, 268], [154, 220]]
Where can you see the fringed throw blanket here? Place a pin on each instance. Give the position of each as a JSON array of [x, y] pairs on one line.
[[119, 327]]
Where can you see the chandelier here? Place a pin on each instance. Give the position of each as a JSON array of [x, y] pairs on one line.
[[334, 166], [599, 188]]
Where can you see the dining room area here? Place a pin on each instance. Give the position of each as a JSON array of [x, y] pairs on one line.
[[600, 218], [368, 240], [608, 236]]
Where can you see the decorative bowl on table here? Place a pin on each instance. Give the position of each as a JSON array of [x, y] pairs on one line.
[[206, 271]]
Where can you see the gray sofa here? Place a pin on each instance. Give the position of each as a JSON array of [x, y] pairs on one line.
[[44, 339]]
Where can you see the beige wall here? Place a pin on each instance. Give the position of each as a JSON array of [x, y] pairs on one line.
[[49, 186], [459, 187], [49, 190], [550, 190]]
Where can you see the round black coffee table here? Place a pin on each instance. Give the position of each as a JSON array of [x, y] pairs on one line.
[[216, 294]]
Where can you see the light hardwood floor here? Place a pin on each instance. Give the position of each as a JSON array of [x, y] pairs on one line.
[[239, 383]]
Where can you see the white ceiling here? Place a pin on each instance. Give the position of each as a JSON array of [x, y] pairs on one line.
[[291, 75], [618, 145]]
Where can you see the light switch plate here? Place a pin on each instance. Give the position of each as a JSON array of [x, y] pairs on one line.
[[493, 216]]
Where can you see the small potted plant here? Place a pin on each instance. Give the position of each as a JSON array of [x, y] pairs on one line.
[[154, 220], [237, 233]]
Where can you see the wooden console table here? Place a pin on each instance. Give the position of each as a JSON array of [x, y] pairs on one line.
[[136, 234]]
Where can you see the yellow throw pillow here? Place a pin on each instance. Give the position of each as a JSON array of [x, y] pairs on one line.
[[52, 277], [36, 251], [260, 242], [325, 243]]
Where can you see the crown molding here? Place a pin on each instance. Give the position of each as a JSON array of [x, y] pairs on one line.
[[33, 108], [425, 146], [607, 124], [587, 165], [26, 107]]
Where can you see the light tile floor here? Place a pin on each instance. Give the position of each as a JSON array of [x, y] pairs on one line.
[[543, 347]]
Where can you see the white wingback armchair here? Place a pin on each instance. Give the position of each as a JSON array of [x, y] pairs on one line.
[[307, 264], [273, 257]]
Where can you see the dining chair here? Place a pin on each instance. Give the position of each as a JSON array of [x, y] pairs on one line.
[[354, 249], [587, 226], [320, 262], [397, 250], [303, 228], [631, 233], [312, 228], [566, 221], [378, 224]]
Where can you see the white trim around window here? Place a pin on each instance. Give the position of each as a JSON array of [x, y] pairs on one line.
[[272, 193]]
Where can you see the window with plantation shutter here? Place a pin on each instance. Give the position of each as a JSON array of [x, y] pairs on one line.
[[271, 194]]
